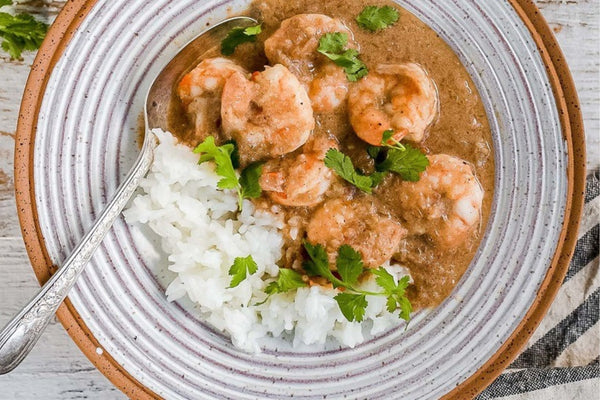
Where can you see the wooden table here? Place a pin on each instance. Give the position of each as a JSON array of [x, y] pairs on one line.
[[56, 369]]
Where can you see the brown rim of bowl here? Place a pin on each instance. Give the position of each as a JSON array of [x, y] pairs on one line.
[[59, 35]]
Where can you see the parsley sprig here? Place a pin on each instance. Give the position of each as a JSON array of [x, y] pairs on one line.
[[237, 36], [351, 300], [408, 161], [402, 159], [240, 269], [343, 166], [225, 159], [20, 32], [333, 46], [374, 18], [387, 140]]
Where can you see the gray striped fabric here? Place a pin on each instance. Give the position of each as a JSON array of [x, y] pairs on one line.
[[562, 358]]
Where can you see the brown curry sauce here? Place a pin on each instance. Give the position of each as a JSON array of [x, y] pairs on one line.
[[461, 130]]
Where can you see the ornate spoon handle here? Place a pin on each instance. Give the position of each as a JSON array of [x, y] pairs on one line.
[[20, 335]]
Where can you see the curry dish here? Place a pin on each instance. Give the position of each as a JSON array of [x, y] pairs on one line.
[[289, 107]]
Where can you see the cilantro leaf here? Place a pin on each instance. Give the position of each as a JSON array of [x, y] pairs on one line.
[[405, 308], [395, 292], [352, 305], [249, 181], [384, 279], [240, 269], [332, 46], [221, 155], [343, 166], [387, 140], [318, 262], [376, 153], [235, 154], [333, 43], [408, 163], [352, 301], [226, 158], [349, 264], [377, 177], [20, 32], [374, 18], [237, 36], [387, 135], [287, 280]]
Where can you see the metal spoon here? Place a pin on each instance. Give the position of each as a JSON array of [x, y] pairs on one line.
[[20, 335]]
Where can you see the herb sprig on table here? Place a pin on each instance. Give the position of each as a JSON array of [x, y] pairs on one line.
[[352, 300], [226, 161], [20, 32]]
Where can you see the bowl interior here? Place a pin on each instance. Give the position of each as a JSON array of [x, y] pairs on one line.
[[86, 142]]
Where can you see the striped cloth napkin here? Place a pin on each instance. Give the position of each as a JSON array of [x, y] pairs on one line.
[[562, 358]]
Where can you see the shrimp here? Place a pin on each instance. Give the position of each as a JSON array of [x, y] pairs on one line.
[[268, 115], [445, 203], [359, 224], [328, 91], [295, 45], [302, 179], [296, 41], [200, 93], [398, 97]]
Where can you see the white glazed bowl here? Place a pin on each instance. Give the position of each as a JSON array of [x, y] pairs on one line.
[[85, 144]]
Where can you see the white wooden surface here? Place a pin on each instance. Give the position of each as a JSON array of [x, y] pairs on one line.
[[56, 369]]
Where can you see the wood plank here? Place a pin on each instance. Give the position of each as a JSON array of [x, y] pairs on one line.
[[577, 28]]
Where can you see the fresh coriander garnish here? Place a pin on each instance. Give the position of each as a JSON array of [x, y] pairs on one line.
[[408, 162], [20, 32], [352, 301], [387, 137], [249, 181], [318, 264], [246, 186], [374, 18], [352, 305], [287, 280], [240, 269], [343, 166], [332, 45], [237, 36]]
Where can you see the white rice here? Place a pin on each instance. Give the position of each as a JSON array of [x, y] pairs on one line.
[[202, 233]]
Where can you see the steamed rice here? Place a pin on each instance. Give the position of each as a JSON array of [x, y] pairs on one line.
[[202, 232]]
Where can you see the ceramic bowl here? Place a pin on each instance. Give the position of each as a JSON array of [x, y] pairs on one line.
[[77, 140]]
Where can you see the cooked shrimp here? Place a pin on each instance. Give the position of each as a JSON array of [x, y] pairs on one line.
[[302, 179], [200, 93], [329, 89], [357, 223], [295, 45], [400, 97], [445, 203], [268, 115], [296, 41]]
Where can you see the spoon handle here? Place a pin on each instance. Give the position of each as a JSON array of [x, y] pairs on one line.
[[20, 335]]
